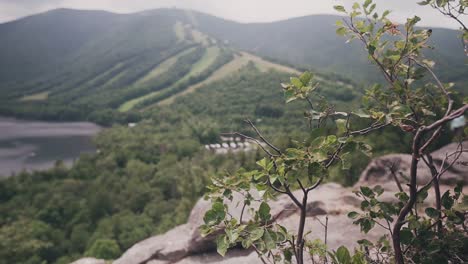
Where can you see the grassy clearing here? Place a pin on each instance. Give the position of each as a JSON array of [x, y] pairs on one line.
[[115, 78], [224, 71], [106, 73], [127, 106], [163, 67], [208, 58], [232, 67], [264, 65], [35, 97]]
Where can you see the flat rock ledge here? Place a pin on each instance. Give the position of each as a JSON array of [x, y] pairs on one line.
[[90, 261], [185, 245]]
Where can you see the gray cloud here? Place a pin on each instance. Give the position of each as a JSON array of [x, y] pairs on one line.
[[239, 10]]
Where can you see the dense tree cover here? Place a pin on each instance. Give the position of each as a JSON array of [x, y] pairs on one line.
[[145, 179], [118, 85], [79, 98], [224, 57], [119, 81], [48, 53], [297, 42], [144, 185], [66, 42]]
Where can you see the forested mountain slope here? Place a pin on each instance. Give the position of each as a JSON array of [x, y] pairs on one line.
[[311, 41], [75, 65], [145, 179], [186, 78]]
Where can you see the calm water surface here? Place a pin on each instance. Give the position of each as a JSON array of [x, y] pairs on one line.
[[34, 145]]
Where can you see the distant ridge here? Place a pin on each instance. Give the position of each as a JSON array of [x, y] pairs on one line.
[[77, 61]]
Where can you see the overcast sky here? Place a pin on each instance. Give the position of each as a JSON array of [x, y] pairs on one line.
[[239, 10]]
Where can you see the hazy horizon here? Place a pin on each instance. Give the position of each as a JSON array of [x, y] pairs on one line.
[[240, 11]]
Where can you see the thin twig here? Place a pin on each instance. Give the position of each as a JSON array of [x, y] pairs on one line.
[[263, 138], [254, 140]]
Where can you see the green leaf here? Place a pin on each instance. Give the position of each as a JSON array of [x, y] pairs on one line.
[[205, 230], [463, 205], [290, 96], [215, 215], [367, 225], [305, 78], [340, 8], [426, 2], [367, 3], [266, 164], [359, 258], [406, 236], [287, 255], [341, 125], [364, 204], [319, 155], [294, 153], [422, 195], [353, 215], [256, 234], [366, 191], [341, 31], [264, 212], [274, 178], [402, 196], [431, 212], [441, 3], [330, 140], [385, 14], [458, 189], [371, 49], [371, 9], [258, 176], [364, 242], [222, 245], [379, 190], [346, 161], [447, 201], [296, 82], [343, 256], [315, 169], [232, 235], [269, 241]]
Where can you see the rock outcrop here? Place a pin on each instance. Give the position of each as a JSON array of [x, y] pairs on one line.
[[185, 245], [90, 261], [383, 170]]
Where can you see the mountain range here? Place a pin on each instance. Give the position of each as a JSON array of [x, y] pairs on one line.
[[71, 64]]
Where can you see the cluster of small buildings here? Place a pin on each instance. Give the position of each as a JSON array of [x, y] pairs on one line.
[[231, 144]]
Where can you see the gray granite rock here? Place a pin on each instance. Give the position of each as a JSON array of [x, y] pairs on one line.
[[89, 261], [185, 245]]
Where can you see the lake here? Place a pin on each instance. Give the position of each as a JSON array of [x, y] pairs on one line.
[[36, 145]]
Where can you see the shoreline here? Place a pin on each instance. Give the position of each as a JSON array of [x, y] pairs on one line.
[[31, 145]]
